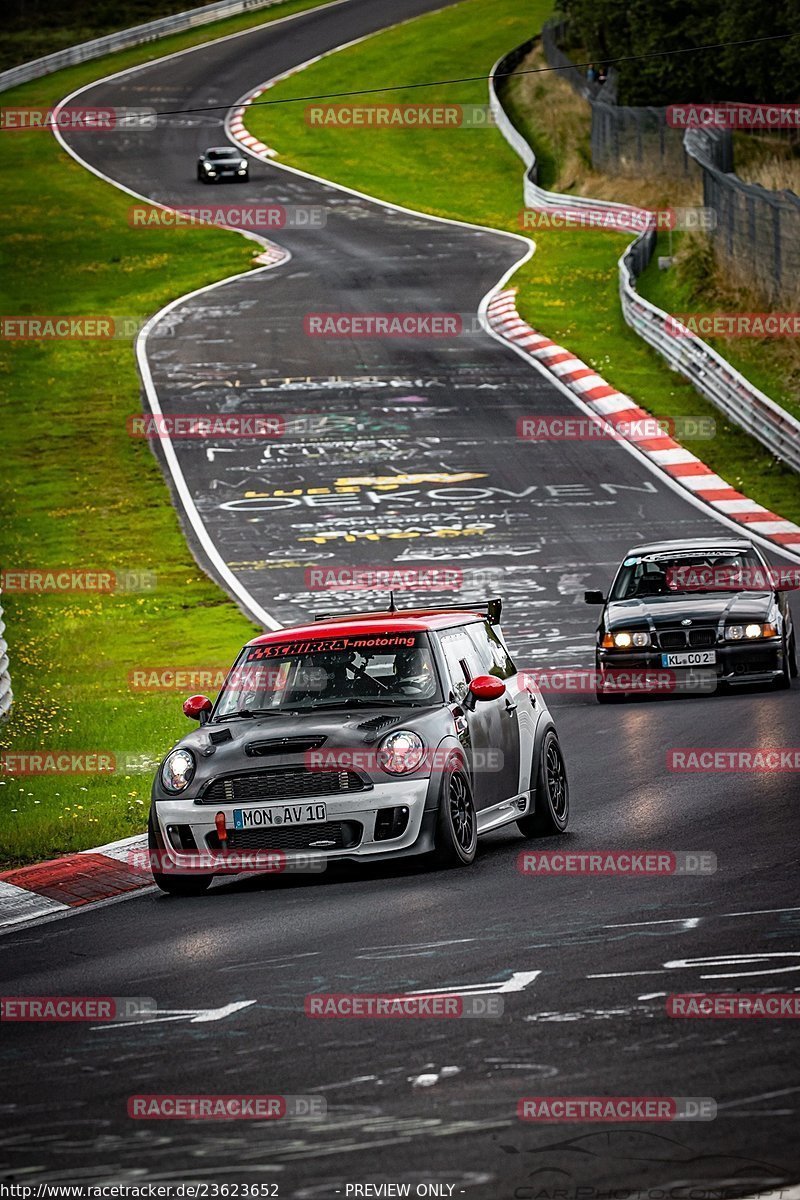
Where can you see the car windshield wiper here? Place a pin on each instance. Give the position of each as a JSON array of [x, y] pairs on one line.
[[353, 702], [250, 712]]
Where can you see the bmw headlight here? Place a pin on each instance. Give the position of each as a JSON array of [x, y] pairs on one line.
[[753, 630], [242, 164], [401, 752], [178, 770], [623, 639]]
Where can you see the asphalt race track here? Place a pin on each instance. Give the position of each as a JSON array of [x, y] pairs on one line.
[[583, 965]]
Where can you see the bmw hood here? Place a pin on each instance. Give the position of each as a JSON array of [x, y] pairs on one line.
[[705, 609]]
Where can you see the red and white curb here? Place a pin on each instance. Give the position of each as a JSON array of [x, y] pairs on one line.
[[618, 409], [236, 127], [48, 888]]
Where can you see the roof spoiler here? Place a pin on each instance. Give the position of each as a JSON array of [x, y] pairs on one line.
[[490, 608]]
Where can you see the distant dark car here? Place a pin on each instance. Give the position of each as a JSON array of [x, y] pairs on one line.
[[222, 162], [378, 735], [706, 608]]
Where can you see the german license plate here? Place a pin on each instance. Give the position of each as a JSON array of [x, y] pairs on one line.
[[278, 814], [690, 658]]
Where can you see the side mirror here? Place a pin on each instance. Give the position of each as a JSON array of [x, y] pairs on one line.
[[485, 687], [594, 598], [198, 708]]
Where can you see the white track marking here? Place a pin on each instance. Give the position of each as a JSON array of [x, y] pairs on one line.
[[195, 1016], [517, 983]]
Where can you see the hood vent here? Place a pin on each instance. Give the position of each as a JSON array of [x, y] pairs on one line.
[[375, 723], [285, 745]]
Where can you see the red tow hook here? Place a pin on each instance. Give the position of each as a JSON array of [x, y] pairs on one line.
[[222, 833]]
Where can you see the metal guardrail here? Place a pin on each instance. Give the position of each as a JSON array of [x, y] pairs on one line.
[[124, 38], [6, 695], [712, 375]]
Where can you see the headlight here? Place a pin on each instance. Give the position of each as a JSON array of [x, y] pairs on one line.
[[178, 770], [623, 640], [243, 164], [401, 752], [735, 633]]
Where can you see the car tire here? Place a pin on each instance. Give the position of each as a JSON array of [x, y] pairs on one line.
[[456, 838], [610, 697], [551, 815], [174, 885], [784, 680]]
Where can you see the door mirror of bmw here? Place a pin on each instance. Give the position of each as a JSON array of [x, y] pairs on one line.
[[594, 598], [484, 687], [198, 708]]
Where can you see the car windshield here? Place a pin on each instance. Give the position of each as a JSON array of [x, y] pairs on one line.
[[374, 669], [689, 573], [217, 154]]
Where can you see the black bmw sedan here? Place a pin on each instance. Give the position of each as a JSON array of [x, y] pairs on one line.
[[694, 614], [222, 162]]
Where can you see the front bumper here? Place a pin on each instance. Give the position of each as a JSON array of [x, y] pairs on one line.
[[737, 664], [356, 810]]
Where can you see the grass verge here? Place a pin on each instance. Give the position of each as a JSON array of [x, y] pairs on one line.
[[568, 290], [80, 494]]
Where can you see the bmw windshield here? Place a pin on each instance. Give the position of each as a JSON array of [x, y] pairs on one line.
[[688, 573], [374, 669]]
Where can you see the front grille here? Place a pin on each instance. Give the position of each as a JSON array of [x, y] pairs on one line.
[[678, 639], [282, 783], [342, 835]]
